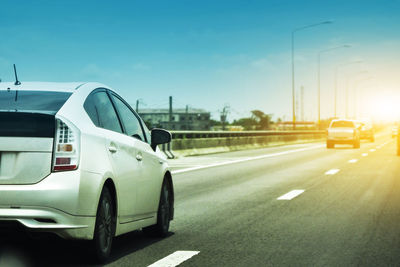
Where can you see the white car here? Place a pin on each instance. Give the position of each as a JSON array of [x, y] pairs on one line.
[[76, 160], [343, 131]]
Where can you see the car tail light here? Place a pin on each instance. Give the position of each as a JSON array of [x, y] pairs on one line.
[[66, 146]]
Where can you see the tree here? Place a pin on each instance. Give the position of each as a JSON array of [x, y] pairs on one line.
[[263, 120], [246, 123]]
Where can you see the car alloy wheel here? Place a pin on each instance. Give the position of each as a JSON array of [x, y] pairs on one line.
[[105, 226]]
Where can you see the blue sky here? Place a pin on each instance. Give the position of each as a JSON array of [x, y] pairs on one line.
[[204, 53]]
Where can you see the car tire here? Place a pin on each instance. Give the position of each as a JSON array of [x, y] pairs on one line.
[[160, 229], [356, 143], [105, 227]]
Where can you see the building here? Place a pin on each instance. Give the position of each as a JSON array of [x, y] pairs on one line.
[[188, 119]]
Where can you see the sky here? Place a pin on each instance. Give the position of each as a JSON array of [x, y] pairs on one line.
[[211, 54]]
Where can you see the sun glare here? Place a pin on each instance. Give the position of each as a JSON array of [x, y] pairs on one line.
[[384, 108]]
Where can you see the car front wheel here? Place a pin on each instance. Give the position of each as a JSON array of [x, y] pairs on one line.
[[161, 228]]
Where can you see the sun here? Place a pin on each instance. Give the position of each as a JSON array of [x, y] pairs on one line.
[[384, 108]]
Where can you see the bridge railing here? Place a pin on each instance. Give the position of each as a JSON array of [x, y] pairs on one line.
[[204, 142], [230, 134]]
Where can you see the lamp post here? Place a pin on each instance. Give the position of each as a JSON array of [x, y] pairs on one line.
[[347, 91], [293, 80], [355, 90], [336, 79], [319, 76]]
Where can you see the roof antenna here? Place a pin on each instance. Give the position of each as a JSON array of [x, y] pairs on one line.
[[16, 77]]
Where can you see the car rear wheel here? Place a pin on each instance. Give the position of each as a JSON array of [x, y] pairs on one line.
[[160, 229], [105, 226]]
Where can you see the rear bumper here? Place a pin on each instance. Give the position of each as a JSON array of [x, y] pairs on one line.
[[63, 203], [341, 140], [50, 220]]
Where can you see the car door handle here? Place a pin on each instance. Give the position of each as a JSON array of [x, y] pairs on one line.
[[139, 157], [112, 149]]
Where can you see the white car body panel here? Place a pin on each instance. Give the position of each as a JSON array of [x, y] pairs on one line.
[[346, 134], [340, 133], [70, 198]]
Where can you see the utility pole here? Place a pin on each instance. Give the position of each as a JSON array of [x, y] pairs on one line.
[[187, 117], [224, 114], [302, 102], [138, 102], [297, 103], [170, 114], [347, 99]]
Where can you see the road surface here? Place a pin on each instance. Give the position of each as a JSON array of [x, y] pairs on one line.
[[297, 205]]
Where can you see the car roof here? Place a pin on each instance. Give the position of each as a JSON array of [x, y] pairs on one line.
[[42, 86]]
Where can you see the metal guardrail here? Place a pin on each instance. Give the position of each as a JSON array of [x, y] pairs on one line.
[[225, 134], [179, 135]]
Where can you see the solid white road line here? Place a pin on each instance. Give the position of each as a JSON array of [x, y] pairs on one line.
[[174, 259], [292, 194], [353, 160], [372, 150], [364, 154], [332, 172], [246, 159]]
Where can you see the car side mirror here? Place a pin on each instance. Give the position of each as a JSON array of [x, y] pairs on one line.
[[159, 136]]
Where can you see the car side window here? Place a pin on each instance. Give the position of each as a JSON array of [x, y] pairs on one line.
[[101, 111], [129, 119], [146, 132]]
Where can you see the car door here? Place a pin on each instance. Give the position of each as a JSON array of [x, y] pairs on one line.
[[150, 165], [121, 150]]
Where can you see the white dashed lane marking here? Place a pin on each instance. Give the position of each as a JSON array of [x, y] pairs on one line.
[[292, 194], [364, 154], [332, 172], [174, 259], [372, 150], [353, 160]]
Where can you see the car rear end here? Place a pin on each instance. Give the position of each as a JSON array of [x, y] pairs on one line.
[[39, 157], [342, 132], [367, 131]]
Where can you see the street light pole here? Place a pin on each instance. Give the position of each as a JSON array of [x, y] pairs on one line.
[[293, 69], [347, 91], [319, 77], [336, 80], [355, 93]]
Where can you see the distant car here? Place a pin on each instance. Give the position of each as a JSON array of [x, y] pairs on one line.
[[343, 131], [394, 131], [366, 131], [78, 161]]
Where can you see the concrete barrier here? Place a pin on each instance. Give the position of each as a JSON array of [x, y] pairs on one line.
[[186, 143]]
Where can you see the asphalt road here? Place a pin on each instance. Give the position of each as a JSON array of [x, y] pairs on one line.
[[343, 208]]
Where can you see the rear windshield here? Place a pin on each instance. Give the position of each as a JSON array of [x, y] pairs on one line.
[[32, 101], [347, 124]]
